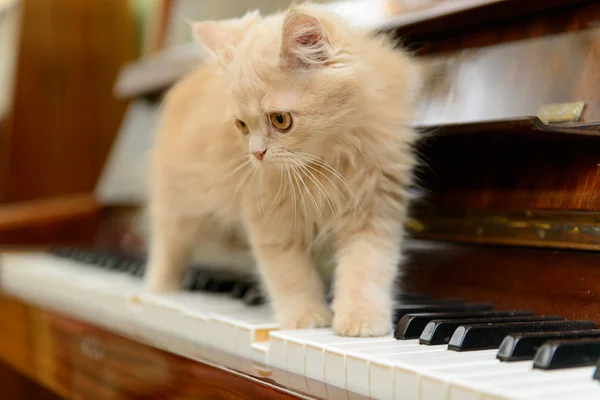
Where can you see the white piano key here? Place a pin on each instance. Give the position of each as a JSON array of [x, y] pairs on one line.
[[196, 308], [277, 353], [436, 383], [81, 290], [194, 327], [335, 359], [523, 383], [289, 352], [260, 352], [472, 387], [239, 330], [579, 391], [358, 362], [562, 381], [336, 356], [401, 371], [314, 353]]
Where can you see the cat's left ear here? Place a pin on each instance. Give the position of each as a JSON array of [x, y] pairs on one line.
[[306, 41], [221, 36]]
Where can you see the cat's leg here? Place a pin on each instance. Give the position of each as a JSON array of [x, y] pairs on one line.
[[366, 269], [172, 241], [292, 280]]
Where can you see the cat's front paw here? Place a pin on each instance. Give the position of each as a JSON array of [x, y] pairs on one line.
[[362, 321], [159, 284], [305, 316]]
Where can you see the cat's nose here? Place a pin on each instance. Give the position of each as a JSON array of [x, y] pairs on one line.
[[260, 154]]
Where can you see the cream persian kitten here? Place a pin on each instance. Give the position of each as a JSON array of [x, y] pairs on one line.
[[295, 133]]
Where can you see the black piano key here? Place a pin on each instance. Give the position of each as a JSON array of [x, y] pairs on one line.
[[103, 259], [89, 257], [411, 297], [401, 310], [61, 251], [597, 372], [253, 296], [523, 346], [136, 267], [112, 263], [412, 325], [240, 289], [567, 354], [489, 336], [189, 279], [440, 331], [220, 285], [124, 264], [76, 254], [431, 302], [140, 271], [201, 281]]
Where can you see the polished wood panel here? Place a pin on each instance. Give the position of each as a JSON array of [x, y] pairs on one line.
[[559, 282], [497, 172], [515, 189], [509, 71], [441, 19], [64, 116], [17, 387], [68, 219]]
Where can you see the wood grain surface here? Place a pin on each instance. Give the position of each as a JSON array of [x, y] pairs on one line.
[[64, 116], [552, 282], [67, 219]]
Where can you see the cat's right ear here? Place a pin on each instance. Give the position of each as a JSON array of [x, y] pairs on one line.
[[220, 37], [305, 41]]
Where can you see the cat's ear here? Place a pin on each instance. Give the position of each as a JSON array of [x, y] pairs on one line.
[[221, 36], [305, 41]]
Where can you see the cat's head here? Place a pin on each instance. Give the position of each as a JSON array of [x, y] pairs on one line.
[[295, 89]]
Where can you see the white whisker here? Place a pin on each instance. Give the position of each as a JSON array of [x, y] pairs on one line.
[[324, 192], [327, 167], [293, 197], [278, 190], [314, 202], [296, 178]]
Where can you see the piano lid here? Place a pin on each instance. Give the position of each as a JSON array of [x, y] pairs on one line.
[[503, 74]]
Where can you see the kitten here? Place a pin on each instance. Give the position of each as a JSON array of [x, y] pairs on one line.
[[295, 132]]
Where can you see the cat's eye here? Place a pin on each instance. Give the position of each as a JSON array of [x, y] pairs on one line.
[[281, 120], [241, 125]]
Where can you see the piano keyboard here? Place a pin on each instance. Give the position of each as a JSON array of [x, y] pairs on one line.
[[440, 349]]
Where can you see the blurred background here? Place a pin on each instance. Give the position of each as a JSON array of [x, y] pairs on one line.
[[80, 83], [63, 58], [61, 116]]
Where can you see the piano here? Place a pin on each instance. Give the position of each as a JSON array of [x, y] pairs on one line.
[[500, 295]]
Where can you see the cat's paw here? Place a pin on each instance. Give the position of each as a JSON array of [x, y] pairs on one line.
[[362, 321], [305, 316], [159, 285]]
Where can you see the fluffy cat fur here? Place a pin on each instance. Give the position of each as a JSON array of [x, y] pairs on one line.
[[337, 177]]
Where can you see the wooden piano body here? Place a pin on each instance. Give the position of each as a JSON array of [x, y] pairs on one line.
[[507, 211]]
